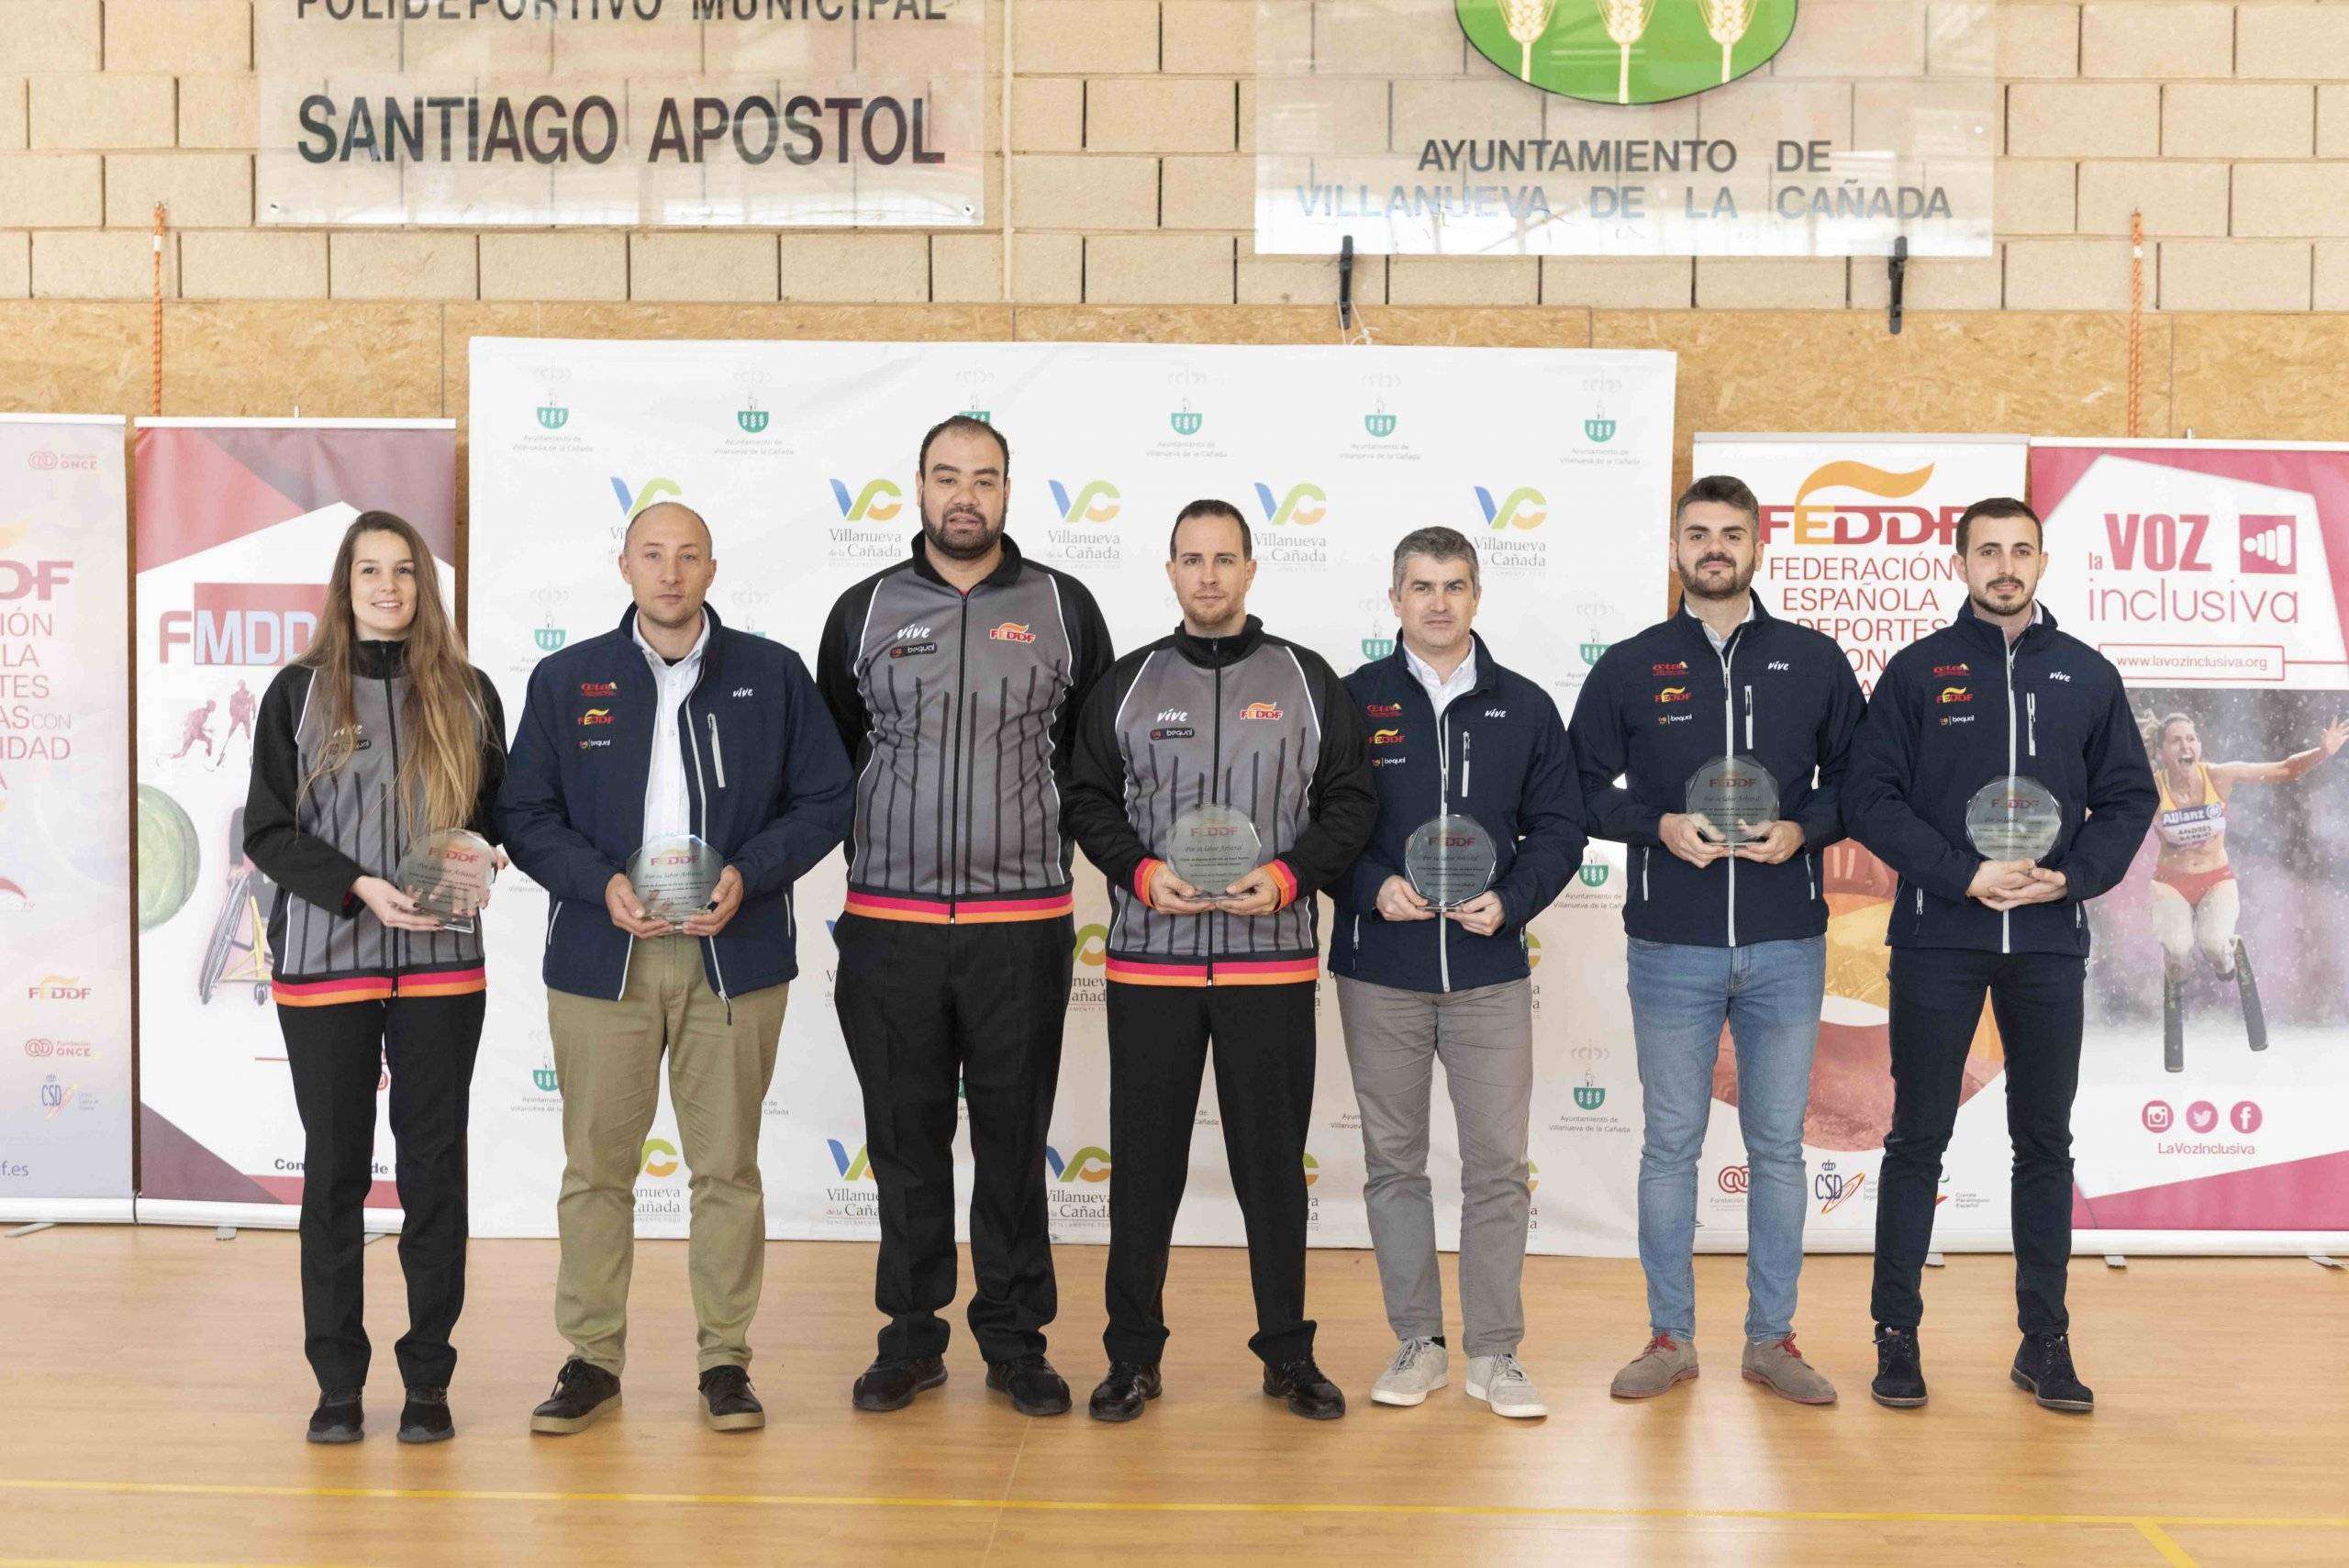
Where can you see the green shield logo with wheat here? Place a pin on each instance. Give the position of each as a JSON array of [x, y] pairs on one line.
[[1627, 51]]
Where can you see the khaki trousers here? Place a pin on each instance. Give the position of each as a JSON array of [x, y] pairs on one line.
[[607, 1058]]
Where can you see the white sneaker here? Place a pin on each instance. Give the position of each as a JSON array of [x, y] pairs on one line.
[[1419, 1367], [1500, 1383]]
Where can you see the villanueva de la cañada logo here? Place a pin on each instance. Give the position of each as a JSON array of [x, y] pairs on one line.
[[1627, 51]]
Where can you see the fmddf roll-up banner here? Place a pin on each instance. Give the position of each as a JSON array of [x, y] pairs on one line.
[[802, 457], [64, 822], [238, 523], [1859, 542], [2215, 574]]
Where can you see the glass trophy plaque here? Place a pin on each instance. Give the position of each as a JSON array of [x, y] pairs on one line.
[[448, 874], [2014, 818], [1733, 799], [674, 876], [1450, 860], [1211, 846]]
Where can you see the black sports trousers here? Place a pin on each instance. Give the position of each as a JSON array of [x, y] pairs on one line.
[[1262, 1038], [924, 1009], [336, 1053], [1936, 1004]]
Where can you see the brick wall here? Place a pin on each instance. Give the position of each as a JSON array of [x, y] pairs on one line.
[[1130, 180]]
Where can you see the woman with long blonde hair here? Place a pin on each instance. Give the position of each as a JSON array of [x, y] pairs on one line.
[[380, 735]]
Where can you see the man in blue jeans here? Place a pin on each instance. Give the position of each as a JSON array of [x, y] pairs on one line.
[[1727, 921]]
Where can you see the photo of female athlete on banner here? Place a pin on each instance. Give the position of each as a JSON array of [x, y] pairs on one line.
[[2195, 901]]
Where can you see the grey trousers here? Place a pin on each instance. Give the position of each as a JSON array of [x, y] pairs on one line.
[[1484, 1039]]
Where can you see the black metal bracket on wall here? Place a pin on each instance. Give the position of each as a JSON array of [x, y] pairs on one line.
[[1897, 269], [1346, 283]]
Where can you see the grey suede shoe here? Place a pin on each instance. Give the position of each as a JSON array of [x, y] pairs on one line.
[[1665, 1362], [1777, 1366]]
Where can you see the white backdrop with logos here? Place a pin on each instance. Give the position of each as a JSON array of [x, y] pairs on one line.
[[64, 850], [1558, 462]]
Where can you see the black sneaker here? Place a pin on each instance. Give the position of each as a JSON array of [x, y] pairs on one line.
[[1125, 1392], [1308, 1392], [338, 1419], [891, 1383], [2043, 1365], [1899, 1375], [1035, 1388], [424, 1417], [583, 1392], [727, 1403]]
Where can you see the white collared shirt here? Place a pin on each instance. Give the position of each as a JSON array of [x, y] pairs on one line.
[[1716, 638], [668, 809], [1440, 690]]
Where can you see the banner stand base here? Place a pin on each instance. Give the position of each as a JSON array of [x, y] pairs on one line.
[[32, 1211], [2115, 1261], [2325, 1261], [34, 1229]]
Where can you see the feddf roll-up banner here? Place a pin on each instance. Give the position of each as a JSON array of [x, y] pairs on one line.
[[64, 822], [1859, 542], [238, 523], [1557, 462], [2215, 574]]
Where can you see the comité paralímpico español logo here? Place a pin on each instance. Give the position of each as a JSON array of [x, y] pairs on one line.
[[1627, 51]]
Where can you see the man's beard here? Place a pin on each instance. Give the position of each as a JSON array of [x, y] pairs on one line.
[[1984, 605], [935, 532], [1691, 586]]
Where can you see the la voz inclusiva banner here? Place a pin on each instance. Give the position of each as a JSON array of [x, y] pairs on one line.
[[802, 457], [65, 853], [2212, 574], [238, 524], [1859, 536]]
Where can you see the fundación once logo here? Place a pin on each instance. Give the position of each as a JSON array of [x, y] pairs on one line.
[[1627, 51], [879, 501], [1097, 501], [1525, 507], [1302, 506]]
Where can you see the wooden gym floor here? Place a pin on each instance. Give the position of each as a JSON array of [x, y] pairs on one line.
[[152, 1396]]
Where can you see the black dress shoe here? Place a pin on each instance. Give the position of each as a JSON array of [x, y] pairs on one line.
[[727, 1403], [1308, 1392], [1035, 1388], [338, 1419], [891, 1383], [1125, 1392], [424, 1417], [583, 1393], [2043, 1365], [1899, 1381]]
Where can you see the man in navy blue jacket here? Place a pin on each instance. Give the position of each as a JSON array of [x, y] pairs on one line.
[[669, 725], [1998, 693], [1450, 733], [1722, 926]]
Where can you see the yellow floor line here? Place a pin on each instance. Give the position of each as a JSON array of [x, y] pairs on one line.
[[2149, 1524], [2172, 1553]]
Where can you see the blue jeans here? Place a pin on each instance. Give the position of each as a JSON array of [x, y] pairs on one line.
[[1769, 995]]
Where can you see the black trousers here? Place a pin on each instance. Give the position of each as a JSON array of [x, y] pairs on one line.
[[1936, 1004], [1262, 1039], [337, 1052], [927, 1010]]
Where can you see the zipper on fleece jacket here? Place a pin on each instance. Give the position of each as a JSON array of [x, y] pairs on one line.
[[2005, 916], [1729, 738]]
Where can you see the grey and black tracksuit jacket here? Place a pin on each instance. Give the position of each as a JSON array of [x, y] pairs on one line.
[[326, 946]]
